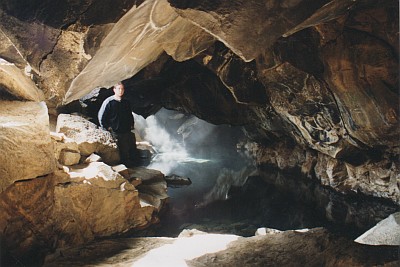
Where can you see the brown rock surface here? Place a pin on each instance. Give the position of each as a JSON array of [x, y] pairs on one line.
[[25, 143], [151, 27], [362, 73], [262, 22], [65, 209], [314, 247], [18, 84], [309, 248]]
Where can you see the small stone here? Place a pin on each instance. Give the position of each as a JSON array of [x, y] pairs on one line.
[[69, 157], [57, 136], [265, 231], [261, 231], [174, 180]]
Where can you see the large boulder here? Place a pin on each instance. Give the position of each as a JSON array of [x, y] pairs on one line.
[[89, 137], [153, 186], [65, 151], [69, 207], [25, 143], [386, 232]]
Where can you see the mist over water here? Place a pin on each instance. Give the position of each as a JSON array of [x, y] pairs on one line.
[[168, 151], [190, 147]]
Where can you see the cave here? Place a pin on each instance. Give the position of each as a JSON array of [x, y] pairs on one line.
[[268, 133]]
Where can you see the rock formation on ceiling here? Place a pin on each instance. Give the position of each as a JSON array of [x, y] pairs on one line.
[[313, 83]]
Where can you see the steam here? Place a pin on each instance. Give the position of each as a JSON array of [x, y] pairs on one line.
[[169, 152], [161, 139], [181, 138]]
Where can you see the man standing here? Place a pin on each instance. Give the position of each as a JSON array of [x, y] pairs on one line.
[[115, 115]]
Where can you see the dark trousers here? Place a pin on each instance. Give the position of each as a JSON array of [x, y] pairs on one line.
[[126, 143]]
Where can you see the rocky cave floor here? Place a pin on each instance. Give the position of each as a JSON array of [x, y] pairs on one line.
[[232, 233]]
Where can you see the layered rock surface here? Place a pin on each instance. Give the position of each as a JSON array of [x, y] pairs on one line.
[[27, 150]]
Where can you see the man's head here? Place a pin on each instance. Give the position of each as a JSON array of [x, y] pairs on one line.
[[119, 90]]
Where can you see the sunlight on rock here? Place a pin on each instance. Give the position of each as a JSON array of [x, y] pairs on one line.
[[194, 244], [386, 232], [94, 170]]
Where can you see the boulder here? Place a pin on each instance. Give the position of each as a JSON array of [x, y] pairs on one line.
[[69, 157], [25, 143], [65, 150], [265, 231], [174, 180], [69, 207], [151, 185], [386, 232], [121, 169], [89, 137], [57, 136], [96, 173]]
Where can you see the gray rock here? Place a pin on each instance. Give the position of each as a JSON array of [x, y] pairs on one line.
[[386, 232]]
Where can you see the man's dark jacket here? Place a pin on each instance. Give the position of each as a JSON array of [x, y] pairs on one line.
[[116, 114]]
